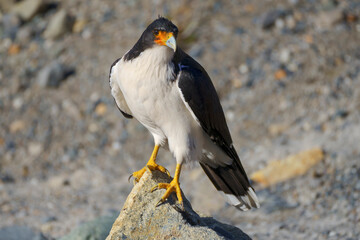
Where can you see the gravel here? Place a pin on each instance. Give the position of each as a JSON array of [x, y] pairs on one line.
[[66, 151]]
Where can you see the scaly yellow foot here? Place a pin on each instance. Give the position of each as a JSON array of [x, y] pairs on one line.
[[173, 186], [150, 166]]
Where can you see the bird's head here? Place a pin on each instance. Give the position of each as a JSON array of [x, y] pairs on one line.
[[161, 32]]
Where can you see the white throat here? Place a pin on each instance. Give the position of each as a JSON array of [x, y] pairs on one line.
[[153, 63], [157, 54]]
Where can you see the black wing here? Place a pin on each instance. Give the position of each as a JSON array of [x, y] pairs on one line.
[[200, 95], [116, 92]]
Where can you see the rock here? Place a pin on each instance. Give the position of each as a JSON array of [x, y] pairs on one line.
[[71, 108], [272, 16], [292, 166], [280, 74], [140, 219], [14, 49], [6, 178], [20, 233], [79, 25], [100, 109], [17, 103], [59, 24], [27, 9], [284, 55], [11, 24], [327, 19], [97, 229], [53, 74], [25, 34], [17, 126], [6, 5], [35, 148], [277, 129]]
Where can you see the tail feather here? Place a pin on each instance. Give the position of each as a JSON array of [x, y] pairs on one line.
[[233, 184]]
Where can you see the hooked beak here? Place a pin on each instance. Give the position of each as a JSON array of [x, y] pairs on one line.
[[166, 39], [171, 43]]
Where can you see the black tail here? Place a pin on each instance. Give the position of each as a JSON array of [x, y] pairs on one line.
[[232, 181]]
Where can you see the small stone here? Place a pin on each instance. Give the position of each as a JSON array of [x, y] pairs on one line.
[[237, 83], [6, 5], [6, 178], [53, 74], [17, 126], [35, 149], [24, 34], [71, 109], [11, 24], [308, 38], [25, 171], [272, 16], [243, 69], [87, 33], [290, 22], [14, 49], [277, 129], [57, 182], [280, 74], [79, 25], [326, 19], [280, 24], [100, 109], [284, 55], [59, 24], [306, 126], [249, 8], [93, 127], [27, 9], [18, 103]]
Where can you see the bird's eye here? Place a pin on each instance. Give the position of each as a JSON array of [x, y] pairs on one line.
[[156, 32]]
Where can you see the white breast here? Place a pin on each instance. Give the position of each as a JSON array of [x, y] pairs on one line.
[[156, 103]]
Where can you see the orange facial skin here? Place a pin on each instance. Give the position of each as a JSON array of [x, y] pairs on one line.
[[161, 37]]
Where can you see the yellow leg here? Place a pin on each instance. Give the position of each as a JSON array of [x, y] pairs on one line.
[[173, 186], [151, 166]]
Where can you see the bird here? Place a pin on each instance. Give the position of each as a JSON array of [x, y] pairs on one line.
[[172, 95]]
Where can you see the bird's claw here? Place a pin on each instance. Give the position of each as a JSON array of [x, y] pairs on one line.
[[150, 167], [159, 203], [173, 186], [131, 175]]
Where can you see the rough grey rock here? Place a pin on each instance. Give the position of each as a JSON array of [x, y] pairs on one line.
[[27, 9], [97, 229], [326, 19], [59, 24], [20, 233], [6, 5], [273, 15], [140, 219], [11, 24], [53, 74]]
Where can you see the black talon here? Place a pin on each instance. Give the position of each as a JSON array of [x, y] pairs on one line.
[[159, 203], [154, 188], [130, 178]]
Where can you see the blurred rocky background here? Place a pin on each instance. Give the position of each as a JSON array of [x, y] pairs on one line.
[[287, 73]]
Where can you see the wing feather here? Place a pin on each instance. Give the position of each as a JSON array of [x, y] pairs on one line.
[[116, 91], [201, 99]]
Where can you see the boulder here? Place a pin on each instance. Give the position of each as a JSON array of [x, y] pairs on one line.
[[140, 219]]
